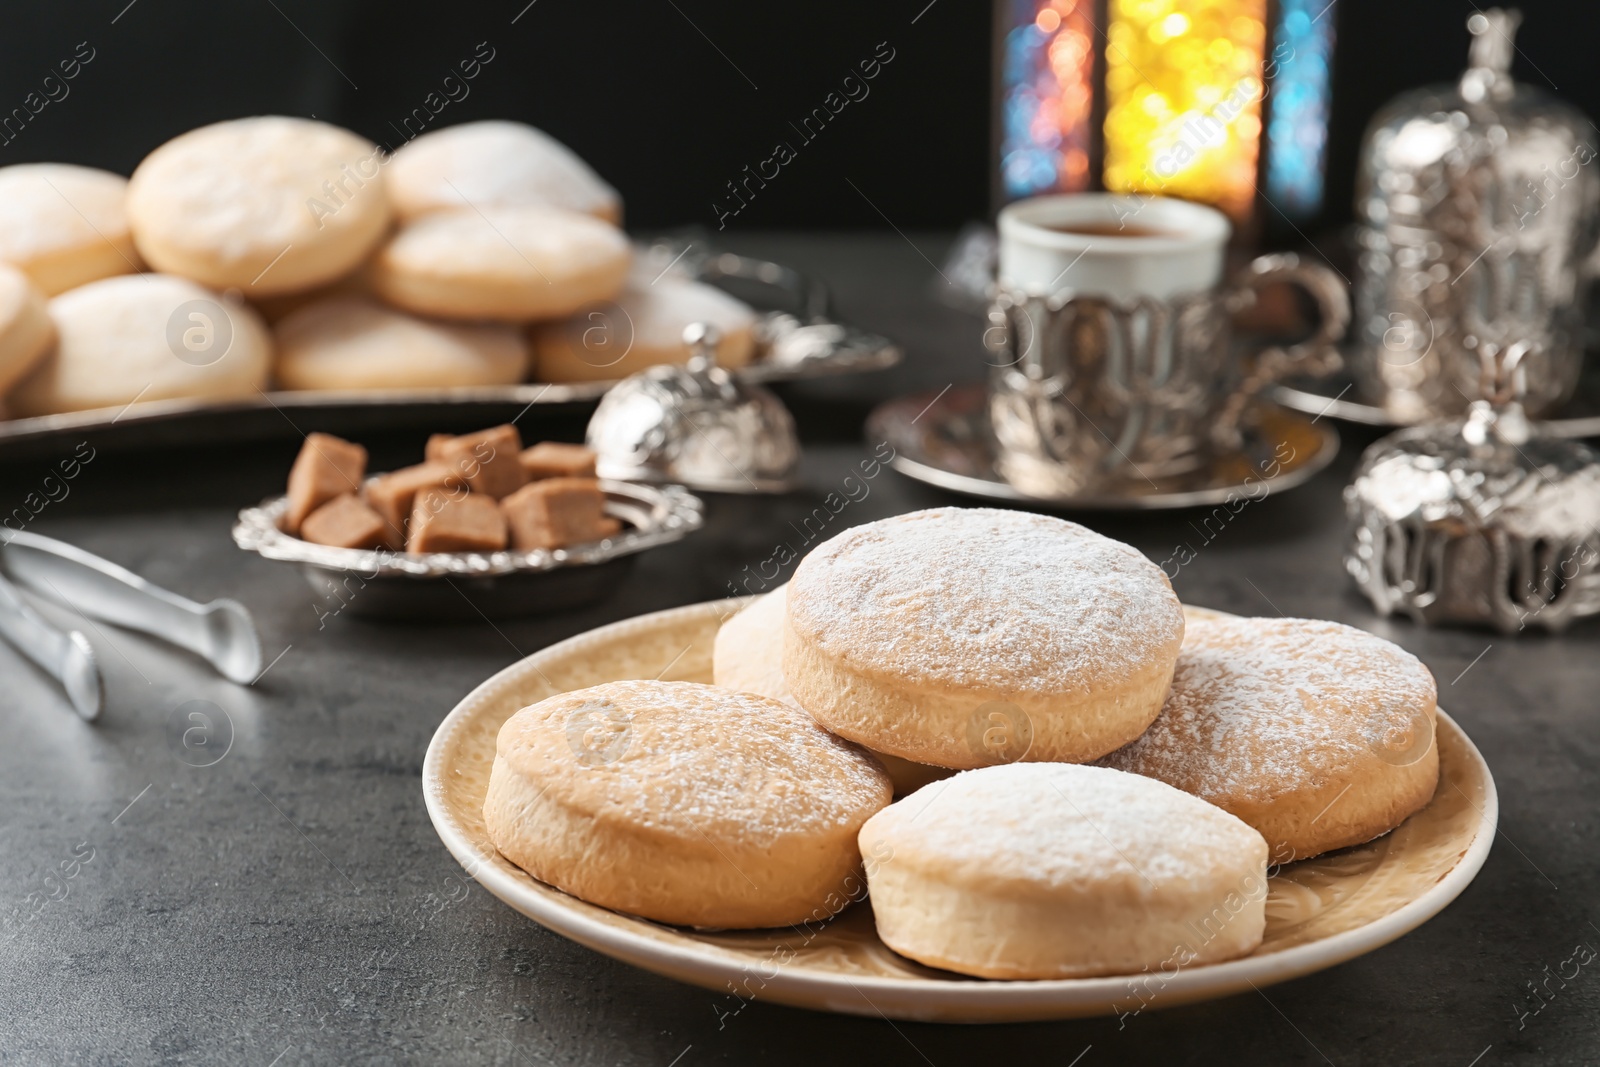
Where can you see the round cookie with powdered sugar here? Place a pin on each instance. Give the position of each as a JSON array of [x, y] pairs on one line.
[[353, 342], [266, 205], [143, 337], [684, 803], [642, 327], [494, 164], [1048, 870], [748, 657], [65, 226], [964, 637], [513, 264], [1319, 735], [26, 331]]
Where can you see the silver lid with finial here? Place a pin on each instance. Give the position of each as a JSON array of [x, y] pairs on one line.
[[1483, 520], [1477, 216], [695, 425]]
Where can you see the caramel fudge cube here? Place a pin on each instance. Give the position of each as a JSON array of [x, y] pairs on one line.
[[556, 512], [431, 452], [325, 468], [345, 522], [394, 494], [448, 520], [552, 459], [488, 460]]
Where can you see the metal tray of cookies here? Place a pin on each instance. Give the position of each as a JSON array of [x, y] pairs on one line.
[[453, 586], [797, 336]]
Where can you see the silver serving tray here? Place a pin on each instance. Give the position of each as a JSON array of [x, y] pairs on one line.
[[945, 441], [797, 337], [447, 586]]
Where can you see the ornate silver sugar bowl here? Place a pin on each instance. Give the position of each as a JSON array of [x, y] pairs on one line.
[[1484, 519], [1477, 210], [696, 425]]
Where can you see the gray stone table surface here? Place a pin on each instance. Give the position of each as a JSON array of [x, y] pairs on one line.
[[290, 903]]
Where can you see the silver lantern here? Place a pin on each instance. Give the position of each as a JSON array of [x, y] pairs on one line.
[[1477, 212], [1481, 520]]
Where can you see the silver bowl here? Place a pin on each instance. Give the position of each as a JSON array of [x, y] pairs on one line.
[[452, 586]]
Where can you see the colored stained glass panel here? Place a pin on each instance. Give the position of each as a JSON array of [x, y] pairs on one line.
[[1297, 131], [1183, 99], [1047, 96]]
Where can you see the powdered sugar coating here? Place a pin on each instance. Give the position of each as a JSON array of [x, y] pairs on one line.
[[244, 189], [47, 209], [492, 164], [985, 600], [1264, 708], [693, 760], [1056, 825]]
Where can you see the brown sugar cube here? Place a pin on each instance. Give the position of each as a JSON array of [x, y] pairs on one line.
[[345, 522], [557, 512], [325, 468], [488, 460], [447, 520], [431, 451], [552, 459], [392, 495]]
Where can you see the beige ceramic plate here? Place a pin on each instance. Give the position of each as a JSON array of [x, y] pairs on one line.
[[1319, 912]]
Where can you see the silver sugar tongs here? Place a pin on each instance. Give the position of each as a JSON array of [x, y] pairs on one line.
[[221, 632]]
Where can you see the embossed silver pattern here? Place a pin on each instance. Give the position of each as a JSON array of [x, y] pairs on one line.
[[652, 515], [1088, 391], [1487, 519], [945, 440], [696, 425], [1477, 214]]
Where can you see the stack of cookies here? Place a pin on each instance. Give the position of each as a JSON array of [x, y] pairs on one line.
[[477, 255], [477, 492], [1089, 783]]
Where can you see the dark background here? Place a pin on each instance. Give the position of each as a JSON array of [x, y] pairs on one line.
[[668, 99]]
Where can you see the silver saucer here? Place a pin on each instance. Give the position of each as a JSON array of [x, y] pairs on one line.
[[1334, 398], [945, 441], [442, 586]]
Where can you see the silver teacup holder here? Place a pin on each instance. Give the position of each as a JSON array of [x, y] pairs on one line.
[[1087, 391]]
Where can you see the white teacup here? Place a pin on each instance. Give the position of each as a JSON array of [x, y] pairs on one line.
[[1120, 247]]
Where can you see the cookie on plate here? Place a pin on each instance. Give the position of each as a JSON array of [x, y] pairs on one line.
[[145, 337], [748, 657], [26, 331], [65, 226], [494, 164], [1319, 735], [1049, 870], [353, 342], [965, 637], [642, 327], [683, 803], [266, 205], [507, 264]]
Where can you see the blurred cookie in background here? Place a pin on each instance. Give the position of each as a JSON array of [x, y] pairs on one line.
[[26, 331], [495, 164], [143, 337], [266, 205], [514, 264], [65, 226], [353, 342], [642, 327]]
